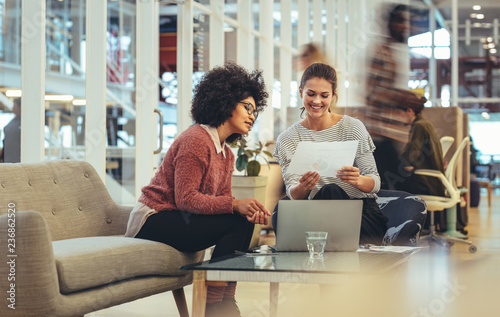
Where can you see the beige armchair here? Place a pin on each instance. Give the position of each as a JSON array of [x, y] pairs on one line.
[[62, 234]]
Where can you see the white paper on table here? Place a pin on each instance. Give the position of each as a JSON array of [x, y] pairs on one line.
[[326, 158]]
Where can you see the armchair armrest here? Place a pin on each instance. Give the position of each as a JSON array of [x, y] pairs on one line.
[[118, 219], [31, 266], [454, 194]]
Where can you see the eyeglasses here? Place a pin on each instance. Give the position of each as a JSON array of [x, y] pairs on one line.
[[248, 106]]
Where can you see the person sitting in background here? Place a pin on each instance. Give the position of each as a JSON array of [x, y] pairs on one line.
[[188, 204], [423, 150], [318, 88], [11, 152]]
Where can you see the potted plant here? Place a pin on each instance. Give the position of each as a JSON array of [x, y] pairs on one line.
[[251, 184], [246, 158]]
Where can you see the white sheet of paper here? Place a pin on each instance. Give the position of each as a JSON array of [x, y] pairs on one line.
[[326, 158]]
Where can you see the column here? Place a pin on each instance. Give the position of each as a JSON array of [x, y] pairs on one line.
[[266, 63], [454, 53], [318, 21], [95, 112], [341, 52], [146, 92], [432, 60], [216, 35], [184, 65], [331, 32], [33, 81], [285, 60], [243, 38]]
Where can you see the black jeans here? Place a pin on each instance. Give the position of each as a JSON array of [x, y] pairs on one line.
[[373, 221], [189, 232]]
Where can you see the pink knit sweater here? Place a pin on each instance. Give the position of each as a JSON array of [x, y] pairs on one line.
[[192, 177]]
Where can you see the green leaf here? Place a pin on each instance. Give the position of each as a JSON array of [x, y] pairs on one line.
[[249, 153], [241, 163], [268, 153], [240, 151], [253, 168]]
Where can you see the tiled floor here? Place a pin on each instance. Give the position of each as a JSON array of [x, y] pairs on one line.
[[433, 283]]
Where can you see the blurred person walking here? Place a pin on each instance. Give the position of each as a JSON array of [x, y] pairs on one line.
[[384, 84], [11, 152]]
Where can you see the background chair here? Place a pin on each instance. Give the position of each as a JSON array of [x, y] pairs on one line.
[[436, 203], [446, 143], [406, 213]]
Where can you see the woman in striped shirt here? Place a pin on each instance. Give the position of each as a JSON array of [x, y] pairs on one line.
[[318, 88]]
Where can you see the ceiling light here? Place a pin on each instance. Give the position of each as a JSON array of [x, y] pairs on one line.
[[491, 45], [489, 39], [493, 51], [485, 115], [476, 25], [480, 16], [13, 93], [476, 7], [58, 97], [79, 102], [483, 40], [473, 15]]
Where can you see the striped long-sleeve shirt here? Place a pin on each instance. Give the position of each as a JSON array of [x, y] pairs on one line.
[[347, 129]]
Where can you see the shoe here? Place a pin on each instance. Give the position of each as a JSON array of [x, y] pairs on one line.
[[230, 308]]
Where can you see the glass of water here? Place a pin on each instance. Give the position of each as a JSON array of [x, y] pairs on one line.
[[316, 241]]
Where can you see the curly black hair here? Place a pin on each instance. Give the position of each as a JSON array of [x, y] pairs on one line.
[[219, 91]]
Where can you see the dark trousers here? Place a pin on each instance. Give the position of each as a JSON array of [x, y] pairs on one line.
[[386, 157], [188, 232], [373, 221]]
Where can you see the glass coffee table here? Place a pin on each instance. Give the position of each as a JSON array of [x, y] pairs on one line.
[[288, 267]]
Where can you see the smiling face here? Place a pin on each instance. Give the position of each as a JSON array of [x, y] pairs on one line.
[[317, 95], [241, 121]]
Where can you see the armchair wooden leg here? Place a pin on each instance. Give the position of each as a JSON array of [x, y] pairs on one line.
[[180, 301]]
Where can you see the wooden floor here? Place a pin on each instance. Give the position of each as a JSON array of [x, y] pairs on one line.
[[433, 283]]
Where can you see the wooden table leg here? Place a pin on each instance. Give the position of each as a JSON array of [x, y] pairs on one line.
[[273, 302], [199, 293], [180, 301]]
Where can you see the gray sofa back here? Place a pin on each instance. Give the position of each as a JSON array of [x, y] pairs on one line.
[[69, 194]]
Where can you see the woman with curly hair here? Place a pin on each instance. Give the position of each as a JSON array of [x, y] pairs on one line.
[[188, 204]]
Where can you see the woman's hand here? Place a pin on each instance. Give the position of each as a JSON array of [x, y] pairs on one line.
[[309, 180], [252, 209], [305, 185], [350, 175], [258, 218]]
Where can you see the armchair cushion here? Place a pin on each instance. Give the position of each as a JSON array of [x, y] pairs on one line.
[[84, 263], [406, 213]]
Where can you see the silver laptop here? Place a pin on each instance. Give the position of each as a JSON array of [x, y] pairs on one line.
[[340, 218]]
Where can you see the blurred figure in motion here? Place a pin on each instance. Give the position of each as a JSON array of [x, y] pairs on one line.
[[11, 151], [382, 118], [310, 53]]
